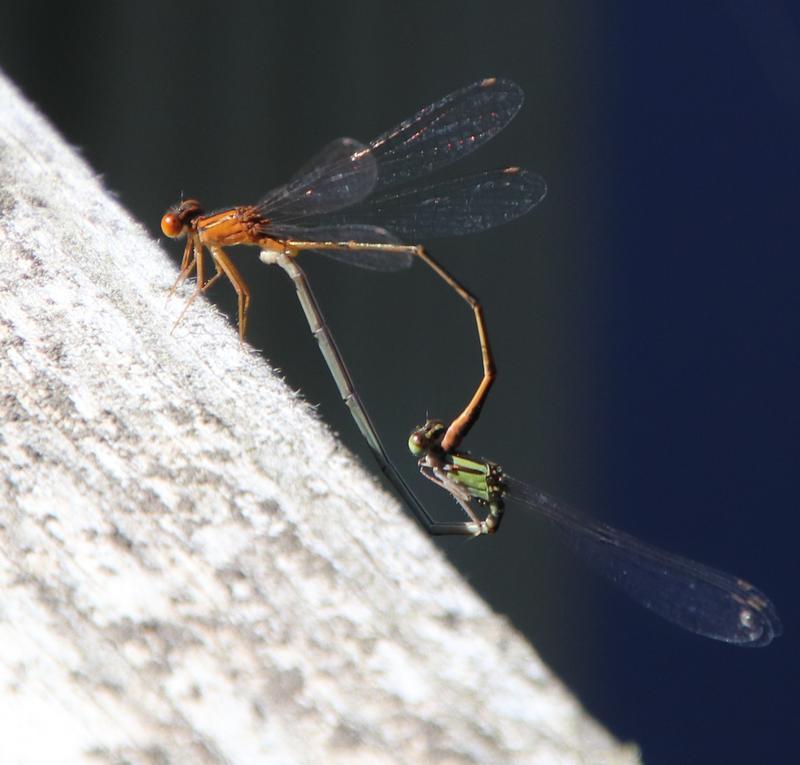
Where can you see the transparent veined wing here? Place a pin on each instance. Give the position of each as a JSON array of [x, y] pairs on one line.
[[342, 173], [694, 596], [445, 131], [451, 208], [346, 172], [454, 207]]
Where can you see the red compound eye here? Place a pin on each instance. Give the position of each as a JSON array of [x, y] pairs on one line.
[[171, 225]]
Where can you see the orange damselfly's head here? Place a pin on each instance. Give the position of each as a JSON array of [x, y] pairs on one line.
[[177, 220]]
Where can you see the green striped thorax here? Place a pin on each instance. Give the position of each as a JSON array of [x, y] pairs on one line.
[[480, 478]]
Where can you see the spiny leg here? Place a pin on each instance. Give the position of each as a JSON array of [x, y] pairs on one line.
[[442, 480], [225, 265], [187, 265], [461, 425], [197, 261], [188, 253]]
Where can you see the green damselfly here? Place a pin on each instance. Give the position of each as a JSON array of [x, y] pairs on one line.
[[694, 596]]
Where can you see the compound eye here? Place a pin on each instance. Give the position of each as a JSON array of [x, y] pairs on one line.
[[171, 225], [417, 443]]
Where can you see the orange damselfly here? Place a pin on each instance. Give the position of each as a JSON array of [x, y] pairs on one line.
[[363, 203]]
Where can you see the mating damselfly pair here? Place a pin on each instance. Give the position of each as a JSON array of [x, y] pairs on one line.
[[370, 205]]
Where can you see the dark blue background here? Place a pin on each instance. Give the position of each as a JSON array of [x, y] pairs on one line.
[[644, 318]]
